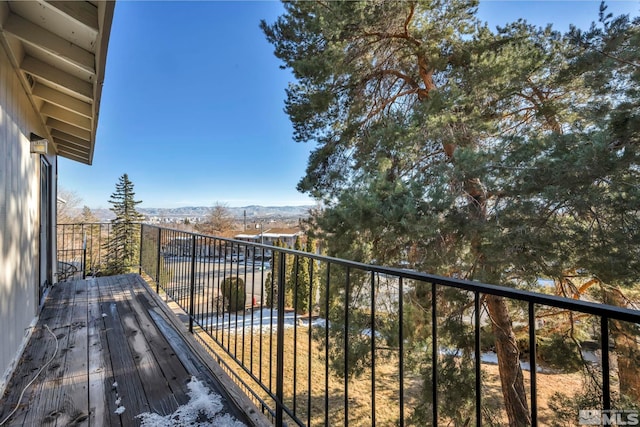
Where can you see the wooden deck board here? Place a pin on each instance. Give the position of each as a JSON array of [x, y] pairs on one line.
[[110, 329], [38, 351], [74, 396], [147, 367], [173, 371], [99, 363], [129, 387], [46, 404]]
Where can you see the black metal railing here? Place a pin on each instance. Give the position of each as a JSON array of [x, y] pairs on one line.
[[316, 340], [323, 341], [82, 249]]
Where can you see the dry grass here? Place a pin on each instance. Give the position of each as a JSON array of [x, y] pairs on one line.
[[324, 399], [330, 391]]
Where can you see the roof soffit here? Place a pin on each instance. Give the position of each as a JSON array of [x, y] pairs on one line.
[[59, 50]]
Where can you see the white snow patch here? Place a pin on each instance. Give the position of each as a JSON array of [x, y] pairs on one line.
[[491, 358], [202, 410], [367, 333], [115, 384], [104, 314], [260, 321], [120, 410], [118, 400]]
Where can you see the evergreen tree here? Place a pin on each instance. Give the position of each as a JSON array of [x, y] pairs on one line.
[[92, 230], [272, 285], [87, 216], [299, 280], [123, 245], [234, 294], [608, 57], [314, 273], [491, 156]]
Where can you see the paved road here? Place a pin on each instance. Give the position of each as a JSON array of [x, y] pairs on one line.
[[209, 275]]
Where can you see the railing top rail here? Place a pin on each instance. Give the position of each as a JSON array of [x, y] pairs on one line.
[[86, 223], [587, 307]]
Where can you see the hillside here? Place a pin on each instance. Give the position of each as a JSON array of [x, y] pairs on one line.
[[253, 212]]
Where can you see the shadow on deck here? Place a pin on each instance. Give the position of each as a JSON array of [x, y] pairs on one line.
[[120, 353]]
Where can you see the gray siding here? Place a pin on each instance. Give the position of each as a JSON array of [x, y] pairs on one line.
[[19, 215]]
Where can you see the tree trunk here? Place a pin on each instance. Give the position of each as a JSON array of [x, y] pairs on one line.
[[628, 367], [626, 345], [515, 398], [512, 381]]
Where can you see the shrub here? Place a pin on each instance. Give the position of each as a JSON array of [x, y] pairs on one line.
[[234, 293]]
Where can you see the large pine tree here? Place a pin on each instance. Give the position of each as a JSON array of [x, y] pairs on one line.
[[123, 244], [486, 155], [608, 57]]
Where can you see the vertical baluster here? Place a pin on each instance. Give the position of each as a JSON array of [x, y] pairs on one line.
[[309, 349], [295, 330], [606, 382], [373, 348], [532, 364], [158, 255], [192, 282], [326, 347], [434, 355], [280, 343], [478, 358], [401, 346], [346, 347]]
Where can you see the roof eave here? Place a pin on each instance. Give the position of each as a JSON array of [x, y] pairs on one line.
[[59, 51]]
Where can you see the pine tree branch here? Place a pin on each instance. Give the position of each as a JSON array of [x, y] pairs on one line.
[[386, 72], [387, 102], [385, 36], [587, 46]]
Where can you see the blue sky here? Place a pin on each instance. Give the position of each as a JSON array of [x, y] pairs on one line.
[[192, 104]]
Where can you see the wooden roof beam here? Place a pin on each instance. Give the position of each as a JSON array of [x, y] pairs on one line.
[[62, 100], [72, 156], [40, 38], [72, 148], [70, 129], [37, 68], [81, 11], [66, 116], [59, 135]]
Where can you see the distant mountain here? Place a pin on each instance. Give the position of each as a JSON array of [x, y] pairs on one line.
[[253, 212], [267, 211]]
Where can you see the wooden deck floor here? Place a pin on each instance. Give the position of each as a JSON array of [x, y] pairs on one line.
[[118, 345]]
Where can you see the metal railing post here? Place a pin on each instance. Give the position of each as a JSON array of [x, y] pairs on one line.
[[532, 364], [373, 347], [84, 256], [193, 282], [434, 355], [478, 357], [141, 249], [280, 342], [346, 347], [401, 348], [606, 381], [158, 261]]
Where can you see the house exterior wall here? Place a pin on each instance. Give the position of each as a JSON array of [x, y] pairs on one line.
[[288, 240], [19, 217]]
